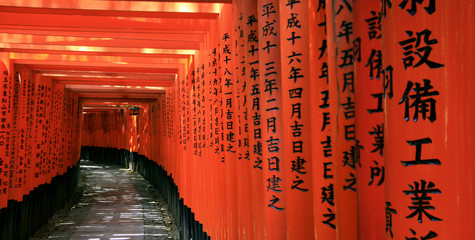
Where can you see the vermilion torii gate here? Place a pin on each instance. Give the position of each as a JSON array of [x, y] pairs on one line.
[[295, 119]]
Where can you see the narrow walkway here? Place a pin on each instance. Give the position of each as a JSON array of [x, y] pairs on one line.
[[112, 203]]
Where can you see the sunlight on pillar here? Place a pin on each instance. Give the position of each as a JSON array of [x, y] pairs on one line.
[[24, 55], [154, 88], [85, 49], [167, 51], [187, 7]]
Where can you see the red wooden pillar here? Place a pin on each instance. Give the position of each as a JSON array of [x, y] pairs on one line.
[[250, 81], [43, 122], [73, 117], [321, 139], [62, 131], [47, 146], [5, 133], [267, 95], [345, 148], [176, 131], [238, 62], [30, 129], [200, 78], [118, 130], [218, 126], [54, 120], [296, 108], [37, 123], [57, 166], [15, 165], [23, 129], [76, 149], [143, 125], [427, 58], [194, 124], [246, 60], [213, 123], [155, 126], [197, 121], [106, 126], [217, 142], [457, 37], [208, 182], [185, 188], [229, 144], [369, 119], [182, 149]]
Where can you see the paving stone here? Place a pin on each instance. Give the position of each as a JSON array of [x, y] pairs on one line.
[[111, 203]]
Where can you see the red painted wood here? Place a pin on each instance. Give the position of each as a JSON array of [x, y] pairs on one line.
[[275, 197], [6, 132], [344, 144], [296, 122], [446, 207], [321, 138], [369, 120]]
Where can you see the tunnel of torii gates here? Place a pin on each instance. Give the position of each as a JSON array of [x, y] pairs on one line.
[[295, 119]]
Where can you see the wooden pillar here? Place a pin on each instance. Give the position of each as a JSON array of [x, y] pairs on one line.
[[369, 119], [30, 133], [15, 167], [345, 147], [267, 116], [240, 69], [321, 138], [252, 102], [5, 133], [24, 129], [229, 144], [296, 124], [215, 101], [249, 64], [428, 54]]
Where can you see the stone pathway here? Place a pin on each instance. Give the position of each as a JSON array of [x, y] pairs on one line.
[[111, 203]]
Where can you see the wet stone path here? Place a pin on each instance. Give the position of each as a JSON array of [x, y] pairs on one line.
[[111, 203]]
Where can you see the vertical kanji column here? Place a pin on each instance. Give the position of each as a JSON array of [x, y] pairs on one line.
[[15, 165], [267, 118], [250, 65], [203, 172], [209, 204], [240, 76], [428, 85], [296, 112], [228, 81], [345, 151], [215, 148], [58, 136], [53, 136], [37, 123], [191, 118], [30, 130], [197, 136], [5, 133], [219, 141], [48, 126], [23, 129], [369, 119], [321, 138], [252, 102]]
